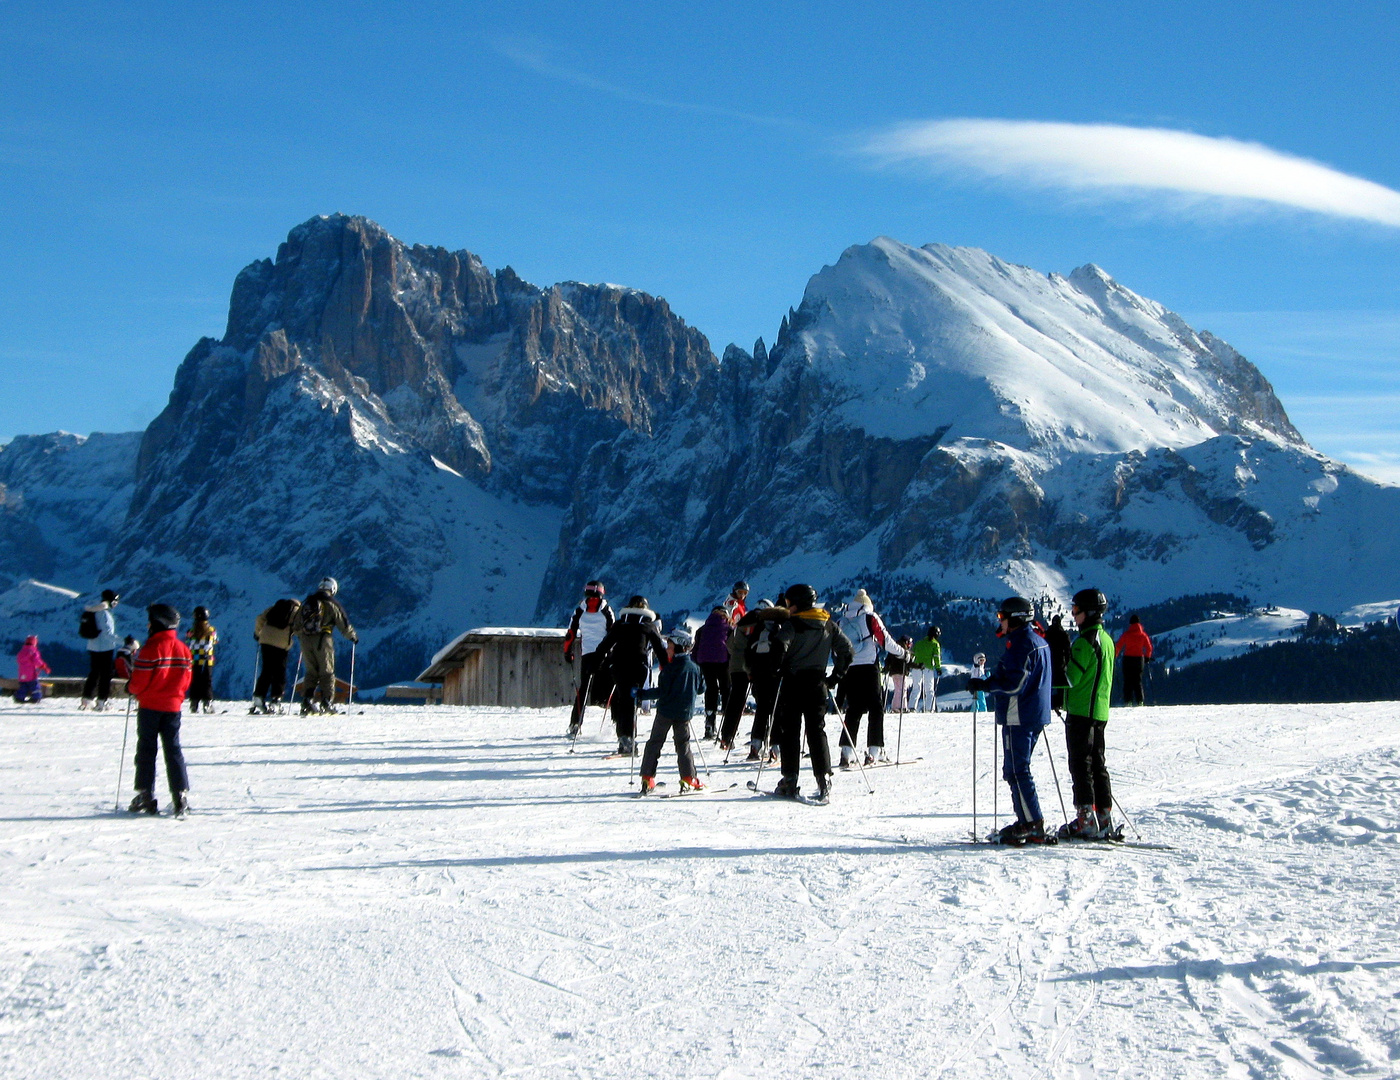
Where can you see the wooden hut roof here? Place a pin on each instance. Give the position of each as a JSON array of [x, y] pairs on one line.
[[454, 654]]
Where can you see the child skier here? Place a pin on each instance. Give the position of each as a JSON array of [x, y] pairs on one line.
[[979, 671], [126, 658], [202, 638], [31, 665], [675, 693]]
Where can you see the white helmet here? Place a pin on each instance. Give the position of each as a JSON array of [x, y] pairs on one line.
[[681, 638], [329, 585]]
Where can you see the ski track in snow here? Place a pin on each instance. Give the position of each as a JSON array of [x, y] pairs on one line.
[[443, 892]]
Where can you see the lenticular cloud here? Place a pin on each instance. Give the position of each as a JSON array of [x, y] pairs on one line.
[[1109, 157]]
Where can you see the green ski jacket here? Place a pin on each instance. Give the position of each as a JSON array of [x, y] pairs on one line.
[[1090, 671], [928, 653]]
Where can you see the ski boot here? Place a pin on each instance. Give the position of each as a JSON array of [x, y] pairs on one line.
[[1012, 835], [648, 785], [869, 759], [787, 788], [823, 791], [85, 704], [755, 751], [625, 745], [709, 727], [573, 731], [1034, 833], [1107, 829], [726, 745], [307, 707], [144, 803], [848, 758], [1085, 826], [101, 706], [691, 783], [182, 803], [259, 706]]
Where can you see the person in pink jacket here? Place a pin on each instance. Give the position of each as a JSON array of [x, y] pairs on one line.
[[31, 666]]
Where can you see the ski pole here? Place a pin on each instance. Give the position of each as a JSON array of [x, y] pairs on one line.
[[296, 675], [257, 668], [856, 755], [768, 735], [690, 734], [1063, 812], [899, 732], [632, 763], [975, 837], [1119, 807], [121, 761], [996, 787], [583, 709], [350, 696]]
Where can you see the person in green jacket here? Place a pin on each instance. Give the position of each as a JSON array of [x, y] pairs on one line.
[[1090, 677], [924, 673]]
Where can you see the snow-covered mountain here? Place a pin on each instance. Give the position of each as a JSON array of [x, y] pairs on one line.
[[460, 447]]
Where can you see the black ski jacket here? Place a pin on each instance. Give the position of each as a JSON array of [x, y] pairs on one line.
[[625, 655]]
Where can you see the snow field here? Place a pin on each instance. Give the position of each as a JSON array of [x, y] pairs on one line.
[[447, 892]]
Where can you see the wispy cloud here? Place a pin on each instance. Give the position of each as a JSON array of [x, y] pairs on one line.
[[1112, 159], [538, 57]]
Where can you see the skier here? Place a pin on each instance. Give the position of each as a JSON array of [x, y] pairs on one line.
[[592, 620], [861, 683], [898, 669], [737, 696], [1021, 687], [272, 630], [158, 684], [201, 638], [31, 666], [712, 654], [1135, 647], [1086, 705], [125, 660], [1057, 637], [928, 666], [624, 659], [763, 658], [100, 629], [979, 671], [734, 606], [677, 687], [320, 616], [811, 640]]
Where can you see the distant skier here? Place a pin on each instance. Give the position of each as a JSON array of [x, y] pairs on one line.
[[1057, 637], [861, 682], [763, 659], [158, 684], [99, 627], [625, 659], [320, 616], [31, 666], [737, 680], [273, 630], [979, 671], [811, 640], [1086, 721], [202, 638], [1135, 647], [928, 666], [591, 621], [712, 654], [675, 692], [125, 661], [898, 669], [735, 607], [1020, 686]]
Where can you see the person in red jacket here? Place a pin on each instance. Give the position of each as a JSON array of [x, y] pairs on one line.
[[159, 682], [1135, 647]]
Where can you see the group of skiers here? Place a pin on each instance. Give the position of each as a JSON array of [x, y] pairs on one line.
[[802, 662]]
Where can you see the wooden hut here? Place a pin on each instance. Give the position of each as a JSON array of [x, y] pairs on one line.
[[509, 666]]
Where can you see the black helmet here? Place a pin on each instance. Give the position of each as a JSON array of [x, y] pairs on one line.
[[741, 586], [1091, 601], [1017, 609], [201, 613], [801, 597], [935, 631], [163, 616], [638, 602], [110, 596], [594, 588]]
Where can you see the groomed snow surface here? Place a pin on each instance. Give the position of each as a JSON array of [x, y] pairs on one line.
[[446, 892]]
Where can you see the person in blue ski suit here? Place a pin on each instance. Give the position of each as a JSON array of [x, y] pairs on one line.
[[1020, 690]]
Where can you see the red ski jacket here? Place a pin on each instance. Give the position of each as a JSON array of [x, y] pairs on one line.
[[163, 672], [1135, 642]]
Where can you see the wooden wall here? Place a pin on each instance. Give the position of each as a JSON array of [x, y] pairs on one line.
[[512, 672]]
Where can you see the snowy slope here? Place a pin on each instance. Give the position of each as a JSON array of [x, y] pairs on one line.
[[440, 892]]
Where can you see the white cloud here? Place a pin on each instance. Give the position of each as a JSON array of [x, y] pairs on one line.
[[1114, 158]]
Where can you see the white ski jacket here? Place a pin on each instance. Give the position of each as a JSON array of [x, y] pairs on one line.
[[868, 634]]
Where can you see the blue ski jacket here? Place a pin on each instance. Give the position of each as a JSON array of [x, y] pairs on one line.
[[1020, 685], [676, 688]]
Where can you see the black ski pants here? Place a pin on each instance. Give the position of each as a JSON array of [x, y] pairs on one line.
[[590, 684], [201, 685], [1087, 771], [680, 731], [165, 727], [863, 695], [98, 683], [716, 686], [624, 705], [804, 702], [766, 687], [272, 676], [1132, 679], [734, 702]]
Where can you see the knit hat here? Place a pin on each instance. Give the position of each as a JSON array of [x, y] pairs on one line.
[[862, 597]]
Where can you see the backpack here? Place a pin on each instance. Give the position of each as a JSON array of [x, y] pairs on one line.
[[309, 617], [87, 626], [279, 615]]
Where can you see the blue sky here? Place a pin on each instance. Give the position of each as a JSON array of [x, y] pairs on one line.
[[717, 157]]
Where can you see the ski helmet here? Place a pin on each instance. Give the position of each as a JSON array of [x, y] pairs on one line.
[[1017, 609], [594, 588], [763, 604], [681, 638], [201, 614], [935, 631], [110, 596], [163, 616], [741, 586], [639, 602], [1091, 601], [328, 585], [801, 597]]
